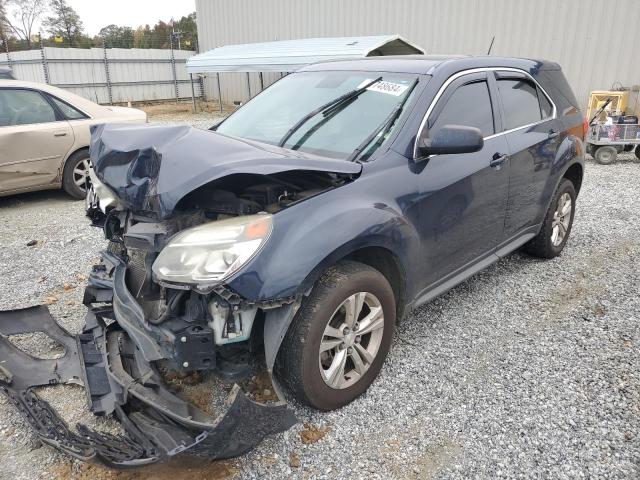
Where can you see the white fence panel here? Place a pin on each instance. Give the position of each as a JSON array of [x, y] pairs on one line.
[[125, 75]]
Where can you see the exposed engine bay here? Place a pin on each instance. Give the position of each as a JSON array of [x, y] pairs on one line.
[[158, 303]]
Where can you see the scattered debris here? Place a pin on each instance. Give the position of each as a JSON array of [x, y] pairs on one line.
[[312, 434], [294, 460], [32, 243], [51, 299]]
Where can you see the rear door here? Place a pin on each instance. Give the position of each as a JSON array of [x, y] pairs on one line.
[[533, 134], [463, 196], [34, 140]]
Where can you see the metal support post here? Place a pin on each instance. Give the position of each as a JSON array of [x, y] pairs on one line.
[[248, 86], [261, 81], [173, 67], [45, 65], [193, 93], [219, 92], [107, 74]]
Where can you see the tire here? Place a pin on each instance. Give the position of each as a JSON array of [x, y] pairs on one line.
[[605, 155], [70, 174], [303, 369], [638, 152], [546, 244]]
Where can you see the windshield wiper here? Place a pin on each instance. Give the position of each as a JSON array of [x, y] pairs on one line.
[[352, 95], [384, 126]]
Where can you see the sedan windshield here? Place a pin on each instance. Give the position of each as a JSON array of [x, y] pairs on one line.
[[285, 114]]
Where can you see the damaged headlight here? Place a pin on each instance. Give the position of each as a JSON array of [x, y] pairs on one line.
[[208, 253]]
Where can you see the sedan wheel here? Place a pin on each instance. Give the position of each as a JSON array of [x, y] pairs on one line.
[[338, 340], [76, 174]]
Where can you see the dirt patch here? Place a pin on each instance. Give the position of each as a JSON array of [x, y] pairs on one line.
[[312, 434], [183, 468], [259, 388], [182, 108]]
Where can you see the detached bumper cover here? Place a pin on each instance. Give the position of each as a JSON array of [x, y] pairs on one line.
[[157, 423]]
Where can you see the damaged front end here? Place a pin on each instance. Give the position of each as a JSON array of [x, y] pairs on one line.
[[179, 225]]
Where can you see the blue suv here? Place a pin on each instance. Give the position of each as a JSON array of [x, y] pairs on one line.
[[298, 233]]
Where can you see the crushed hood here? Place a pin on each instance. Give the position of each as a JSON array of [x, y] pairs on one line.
[[151, 167]]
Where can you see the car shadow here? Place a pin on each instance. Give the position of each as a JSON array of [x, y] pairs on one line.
[[42, 196]]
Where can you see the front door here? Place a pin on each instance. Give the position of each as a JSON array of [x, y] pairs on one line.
[[463, 196], [33, 140]]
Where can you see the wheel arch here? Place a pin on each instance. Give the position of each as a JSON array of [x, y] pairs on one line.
[[71, 154], [575, 173]]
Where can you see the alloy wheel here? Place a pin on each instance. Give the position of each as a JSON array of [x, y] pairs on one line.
[[351, 340], [81, 174], [561, 219]]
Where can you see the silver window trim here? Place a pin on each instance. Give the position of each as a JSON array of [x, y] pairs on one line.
[[478, 70]]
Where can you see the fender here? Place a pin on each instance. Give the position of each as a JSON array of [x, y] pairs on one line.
[[296, 255], [570, 152]]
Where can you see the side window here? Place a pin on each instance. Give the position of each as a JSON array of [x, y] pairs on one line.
[[23, 107], [67, 110], [545, 105], [468, 105], [521, 104]]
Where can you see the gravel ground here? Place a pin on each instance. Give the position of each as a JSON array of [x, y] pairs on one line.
[[530, 369]]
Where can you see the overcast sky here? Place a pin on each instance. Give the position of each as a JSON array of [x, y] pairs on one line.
[[129, 13]]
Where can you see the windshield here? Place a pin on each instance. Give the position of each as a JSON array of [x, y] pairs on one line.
[[336, 131]]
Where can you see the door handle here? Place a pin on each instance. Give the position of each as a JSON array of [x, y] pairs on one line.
[[60, 134], [497, 160], [553, 134]]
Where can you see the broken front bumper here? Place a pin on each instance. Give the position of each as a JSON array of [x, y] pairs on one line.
[[157, 423]]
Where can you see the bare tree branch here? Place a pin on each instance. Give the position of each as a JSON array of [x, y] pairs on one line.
[[21, 16]]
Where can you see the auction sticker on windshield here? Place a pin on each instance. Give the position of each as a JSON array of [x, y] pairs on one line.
[[390, 88]]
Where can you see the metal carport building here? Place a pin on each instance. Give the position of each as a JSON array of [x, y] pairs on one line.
[[592, 40]]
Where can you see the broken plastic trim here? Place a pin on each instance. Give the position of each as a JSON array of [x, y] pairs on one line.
[[158, 424]]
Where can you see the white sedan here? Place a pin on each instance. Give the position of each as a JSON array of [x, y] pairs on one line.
[[44, 136]]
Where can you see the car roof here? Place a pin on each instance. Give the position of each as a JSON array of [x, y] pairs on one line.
[[430, 64], [77, 101]]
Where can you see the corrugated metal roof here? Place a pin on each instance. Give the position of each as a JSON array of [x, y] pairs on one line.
[[289, 55]]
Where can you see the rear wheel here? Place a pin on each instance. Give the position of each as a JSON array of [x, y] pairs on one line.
[[605, 155], [638, 152], [76, 174], [339, 338], [556, 227]]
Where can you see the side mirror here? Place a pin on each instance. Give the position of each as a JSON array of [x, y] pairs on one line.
[[451, 139]]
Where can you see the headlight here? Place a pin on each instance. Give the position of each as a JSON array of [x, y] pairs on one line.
[[206, 254]]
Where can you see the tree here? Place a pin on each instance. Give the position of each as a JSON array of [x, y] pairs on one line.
[[117, 37], [4, 29], [189, 31], [21, 17], [64, 22]]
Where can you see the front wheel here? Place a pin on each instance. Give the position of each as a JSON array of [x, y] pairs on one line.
[[339, 338], [556, 227], [638, 152]]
